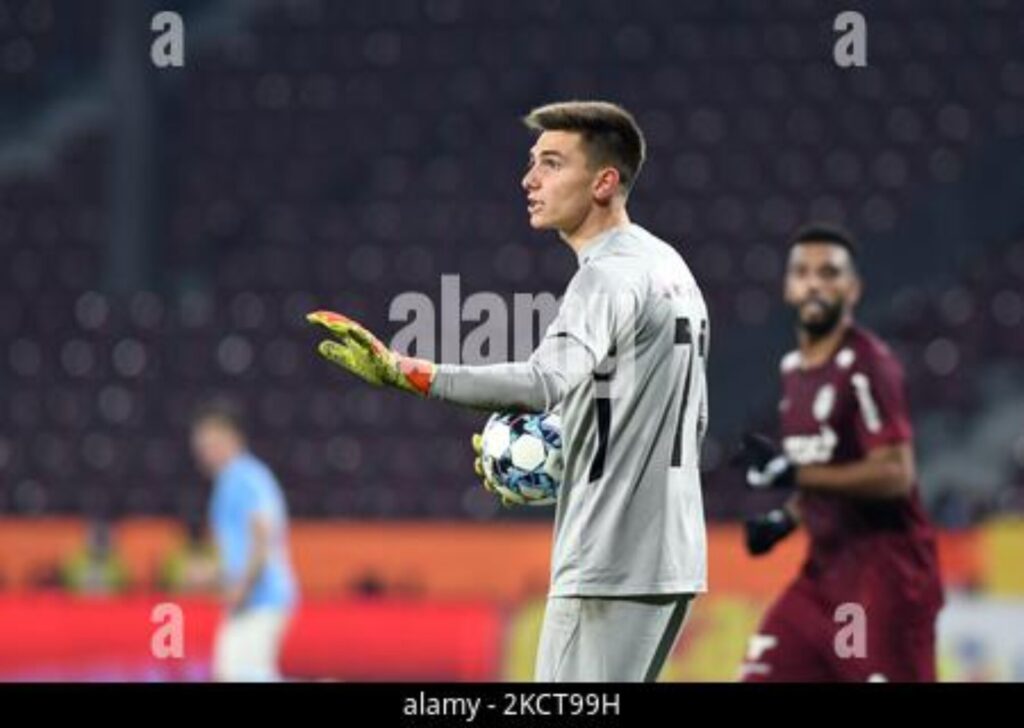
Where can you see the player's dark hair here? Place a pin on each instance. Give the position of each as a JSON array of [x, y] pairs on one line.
[[610, 134], [826, 232], [223, 411]]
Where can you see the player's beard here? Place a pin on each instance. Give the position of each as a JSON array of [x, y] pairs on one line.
[[819, 328]]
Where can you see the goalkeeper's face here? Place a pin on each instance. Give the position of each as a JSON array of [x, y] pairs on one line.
[[822, 286], [561, 185]]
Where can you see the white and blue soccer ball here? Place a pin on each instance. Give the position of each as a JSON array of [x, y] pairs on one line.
[[521, 454]]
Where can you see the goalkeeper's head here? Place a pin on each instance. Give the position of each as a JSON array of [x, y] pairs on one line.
[[583, 164], [218, 435]]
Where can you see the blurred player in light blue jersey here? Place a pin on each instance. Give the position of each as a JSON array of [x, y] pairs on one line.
[[249, 521]]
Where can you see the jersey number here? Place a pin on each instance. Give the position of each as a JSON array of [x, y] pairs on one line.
[[684, 337], [603, 407]]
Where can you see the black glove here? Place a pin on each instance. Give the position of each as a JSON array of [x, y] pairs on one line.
[[767, 466], [767, 529]]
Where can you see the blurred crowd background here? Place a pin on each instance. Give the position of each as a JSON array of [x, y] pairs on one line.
[[163, 231]]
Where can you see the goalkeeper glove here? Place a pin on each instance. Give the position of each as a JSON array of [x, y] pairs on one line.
[[354, 348], [767, 529], [767, 466], [478, 467]]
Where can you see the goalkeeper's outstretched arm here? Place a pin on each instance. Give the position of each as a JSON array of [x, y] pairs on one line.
[[582, 334], [560, 362], [536, 385]]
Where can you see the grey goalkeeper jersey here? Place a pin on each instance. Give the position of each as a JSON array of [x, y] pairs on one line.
[[623, 363]]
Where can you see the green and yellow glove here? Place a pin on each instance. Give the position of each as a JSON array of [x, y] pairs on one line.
[[478, 466], [354, 348]]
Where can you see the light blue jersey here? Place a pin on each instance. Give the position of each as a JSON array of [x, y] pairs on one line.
[[244, 489]]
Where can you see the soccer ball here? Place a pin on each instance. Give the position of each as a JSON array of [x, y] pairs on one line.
[[522, 455]]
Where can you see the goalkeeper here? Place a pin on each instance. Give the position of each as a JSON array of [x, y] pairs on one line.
[[624, 360]]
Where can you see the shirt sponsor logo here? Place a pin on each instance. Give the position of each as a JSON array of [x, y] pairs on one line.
[[811, 449]]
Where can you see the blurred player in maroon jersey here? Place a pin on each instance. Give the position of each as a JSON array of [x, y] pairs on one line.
[[847, 451]]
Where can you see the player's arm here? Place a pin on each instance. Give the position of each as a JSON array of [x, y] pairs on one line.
[[594, 313], [259, 538], [559, 363], [887, 471], [882, 429], [554, 368], [573, 346]]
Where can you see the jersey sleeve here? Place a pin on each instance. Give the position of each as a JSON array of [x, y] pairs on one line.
[[576, 341], [882, 415], [228, 524]]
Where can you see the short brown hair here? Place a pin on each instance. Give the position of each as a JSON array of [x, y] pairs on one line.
[[221, 410], [611, 135]]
